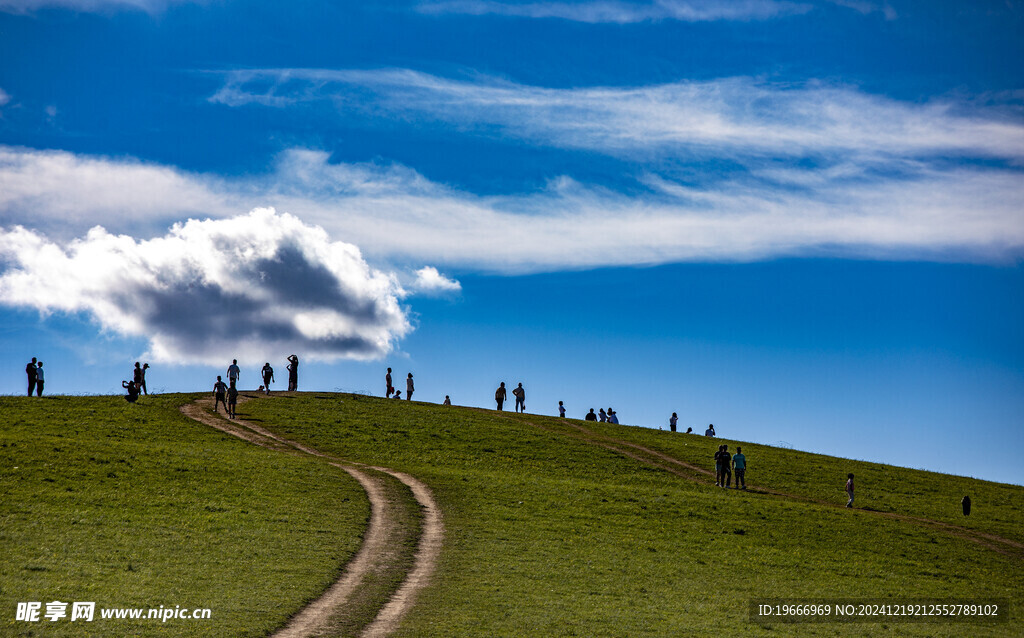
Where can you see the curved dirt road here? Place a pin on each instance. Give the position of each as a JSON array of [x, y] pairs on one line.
[[374, 555]]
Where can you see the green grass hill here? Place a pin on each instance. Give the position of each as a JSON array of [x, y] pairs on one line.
[[552, 527]]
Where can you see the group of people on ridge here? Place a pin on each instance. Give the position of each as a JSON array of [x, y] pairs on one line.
[[501, 395], [726, 463], [137, 385], [391, 393], [34, 370]]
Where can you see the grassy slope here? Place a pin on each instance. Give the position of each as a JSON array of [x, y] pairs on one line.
[[548, 534], [135, 505]]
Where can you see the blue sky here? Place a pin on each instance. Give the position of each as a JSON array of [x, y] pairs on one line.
[[802, 221]]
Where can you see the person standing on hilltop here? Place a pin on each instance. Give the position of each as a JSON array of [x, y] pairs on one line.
[[726, 466], [145, 366], [849, 489], [672, 421], [520, 394], [409, 387], [293, 373], [39, 379], [561, 410], [601, 416], [500, 395], [590, 416], [710, 431], [388, 388], [31, 371]]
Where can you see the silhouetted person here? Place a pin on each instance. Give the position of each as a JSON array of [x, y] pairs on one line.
[[220, 391], [689, 430], [447, 400], [590, 416], [849, 489], [718, 466], [293, 373], [710, 431], [388, 387], [268, 376], [561, 409], [397, 395], [31, 371], [520, 394], [145, 366], [233, 371], [612, 417], [672, 420], [726, 466], [137, 375], [966, 504], [133, 391], [39, 379], [601, 416], [409, 387], [499, 395], [232, 400]]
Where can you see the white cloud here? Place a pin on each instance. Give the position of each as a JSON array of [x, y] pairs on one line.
[[731, 117], [430, 281], [5, 97], [893, 210], [620, 12], [245, 287]]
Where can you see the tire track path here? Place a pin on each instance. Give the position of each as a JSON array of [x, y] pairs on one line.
[[375, 555]]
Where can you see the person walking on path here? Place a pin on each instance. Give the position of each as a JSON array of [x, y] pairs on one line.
[[293, 373], [233, 371], [672, 421], [409, 387], [388, 388], [500, 395], [520, 394], [849, 489], [39, 379], [219, 394], [739, 465], [268, 377], [590, 416], [561, 409], [32, 371], [232, 400]]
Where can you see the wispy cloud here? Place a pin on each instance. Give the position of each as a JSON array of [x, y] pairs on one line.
[[5, 97], [618, 12], [89, 6], [207, 291], [395, 215], [731, 117]]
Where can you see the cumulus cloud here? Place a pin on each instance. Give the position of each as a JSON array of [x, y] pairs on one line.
[[618, 12], [892, 210], [729, 117], [430, 281], [248, 287]]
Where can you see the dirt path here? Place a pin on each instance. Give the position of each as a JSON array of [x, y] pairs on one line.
[[697, 474], [376, 553]]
